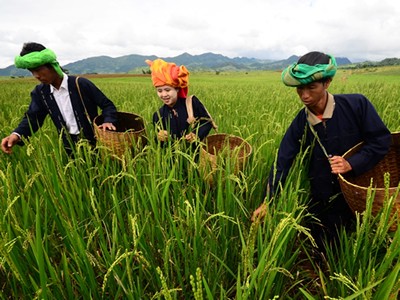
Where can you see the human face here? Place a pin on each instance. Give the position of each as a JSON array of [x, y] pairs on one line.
[[313, 95], [168, 94], [46, 75]]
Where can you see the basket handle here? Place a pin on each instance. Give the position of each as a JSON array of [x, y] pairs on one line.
[[189, 107], [83, 103], [191, 119]]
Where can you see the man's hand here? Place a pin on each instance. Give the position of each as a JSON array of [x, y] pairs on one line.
[[107, 126], [260, 212], [339, 165], [8, 142]]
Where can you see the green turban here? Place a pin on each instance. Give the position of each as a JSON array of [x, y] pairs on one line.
[[38, 58], [301, 74]]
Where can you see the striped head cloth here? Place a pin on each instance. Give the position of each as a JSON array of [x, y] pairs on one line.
[[300, 74], [164, 73]]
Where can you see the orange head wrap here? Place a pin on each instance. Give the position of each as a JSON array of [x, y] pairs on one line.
[[163, 73]]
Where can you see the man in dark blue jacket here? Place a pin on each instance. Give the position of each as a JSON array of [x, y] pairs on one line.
[[58, 96], [331, 125]]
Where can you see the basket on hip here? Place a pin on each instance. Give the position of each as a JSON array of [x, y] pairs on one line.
[[223, 149], [355, 189], [129, 135]]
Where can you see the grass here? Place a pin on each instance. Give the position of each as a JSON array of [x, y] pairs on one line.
[[150, 227]]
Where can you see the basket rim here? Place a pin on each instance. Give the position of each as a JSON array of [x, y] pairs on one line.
[[229, 135], [119, 132], [226, 135], [364, 188], [121, 113], [344, 180]]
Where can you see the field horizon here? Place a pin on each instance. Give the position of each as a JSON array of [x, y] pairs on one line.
[[148, 225]]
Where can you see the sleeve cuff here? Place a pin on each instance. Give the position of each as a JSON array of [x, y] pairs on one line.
[[17, 134]]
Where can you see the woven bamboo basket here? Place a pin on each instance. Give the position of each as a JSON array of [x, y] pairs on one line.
[[129, 135], [219, 149], [355, 189]]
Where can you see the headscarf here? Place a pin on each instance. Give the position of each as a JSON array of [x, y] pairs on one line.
[[36, 59], [301, 74], [164, 73]]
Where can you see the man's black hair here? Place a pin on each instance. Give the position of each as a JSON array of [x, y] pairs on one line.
[[31, 47], [314, 58]]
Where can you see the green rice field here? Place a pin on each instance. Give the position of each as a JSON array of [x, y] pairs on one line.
[[148, 225]]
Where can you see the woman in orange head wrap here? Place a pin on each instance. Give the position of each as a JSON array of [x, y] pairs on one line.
[[163, 73], [172, 119]]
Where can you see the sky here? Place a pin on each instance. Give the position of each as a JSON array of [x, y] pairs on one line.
[[265, 29]]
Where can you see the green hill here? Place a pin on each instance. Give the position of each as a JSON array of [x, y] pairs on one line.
[[136, 64]]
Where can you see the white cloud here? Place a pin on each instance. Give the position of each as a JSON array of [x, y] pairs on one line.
[[256, 28]]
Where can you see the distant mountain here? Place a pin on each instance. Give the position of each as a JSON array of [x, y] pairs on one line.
[[341, 61], [107, 65], [368, 64], [136, 64], [13, 71]]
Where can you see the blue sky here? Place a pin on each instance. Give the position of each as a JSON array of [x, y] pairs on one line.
[[266, 29]]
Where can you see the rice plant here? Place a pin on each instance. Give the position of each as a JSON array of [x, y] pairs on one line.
[[149, 226]]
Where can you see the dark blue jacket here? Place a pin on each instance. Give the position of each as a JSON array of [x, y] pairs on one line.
[[43, 104], [354, 120], [177, 125]]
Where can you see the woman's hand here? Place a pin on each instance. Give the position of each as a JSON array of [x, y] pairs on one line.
[[191, 137], [162, 135]]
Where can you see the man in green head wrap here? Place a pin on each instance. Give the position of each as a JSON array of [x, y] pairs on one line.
[[330, 125], [58, 96]]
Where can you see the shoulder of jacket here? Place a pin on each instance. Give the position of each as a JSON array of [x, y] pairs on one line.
[[300, 120], [79, 79], [195, 101], [194, 98], [45, 88], [349, 97]]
